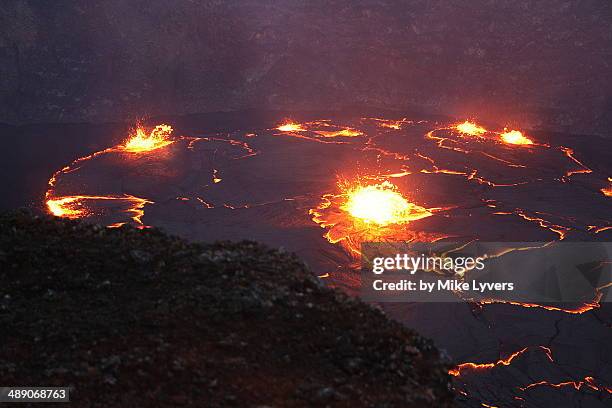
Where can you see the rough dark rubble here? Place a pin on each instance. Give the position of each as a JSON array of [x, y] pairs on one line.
[[132, 317]]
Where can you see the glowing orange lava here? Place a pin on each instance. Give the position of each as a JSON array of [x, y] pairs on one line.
[[470, 128], [140, 141], [570, 154], [587, 307], [577, 385], [291, 127], [455, 372], [607, 191], [391, 124], [216, 179], [344, 132], [515, 137], [370, 213], [67, 207], [382, 204], [75, 207]]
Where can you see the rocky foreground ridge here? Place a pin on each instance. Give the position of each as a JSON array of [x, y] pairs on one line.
[[132, 317]]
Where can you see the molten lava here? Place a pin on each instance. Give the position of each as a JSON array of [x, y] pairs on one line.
[[456, 372], [344, 132], [391, 124], [291, 127], [67, 207], [588, 382], [470, 128], [382, 204], [515, 137], [607, 191], [74, 207], [140, 141], [374, 213]]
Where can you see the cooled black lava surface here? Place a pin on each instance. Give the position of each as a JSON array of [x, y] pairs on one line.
[[132, 317]]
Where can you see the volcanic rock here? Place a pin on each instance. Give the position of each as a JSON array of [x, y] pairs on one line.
[[225, 324]]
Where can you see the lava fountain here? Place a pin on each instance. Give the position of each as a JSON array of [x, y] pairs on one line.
[[67, 207], [290, 127], [141, 141], [382, 204], [371, 213], [515, 137], [470, 128]]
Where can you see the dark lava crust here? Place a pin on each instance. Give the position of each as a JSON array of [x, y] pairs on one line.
[[137, 318]]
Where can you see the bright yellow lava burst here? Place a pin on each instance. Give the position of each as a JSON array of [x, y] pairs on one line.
[[140, 141], [470, 128], [608, 191], [344, 132], [67, 207], [515, 137], [382, 204], [291, 127]]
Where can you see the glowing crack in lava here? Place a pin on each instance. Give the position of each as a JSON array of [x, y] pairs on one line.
[[470, 128], [140, 141], [515, 137], [382, 204], [290, 127], [587, 382], [391, 124], [456, 372], [319, 128]]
